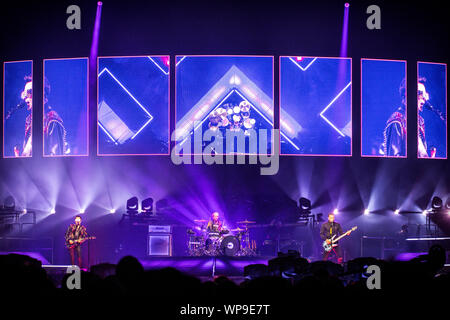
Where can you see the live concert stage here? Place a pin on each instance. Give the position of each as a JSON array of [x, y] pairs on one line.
[[224, 148]]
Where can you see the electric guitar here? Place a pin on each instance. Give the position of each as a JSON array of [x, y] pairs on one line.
[[329, 246], [73, 243]]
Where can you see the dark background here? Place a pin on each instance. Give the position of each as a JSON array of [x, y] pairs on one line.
[[37, 30]]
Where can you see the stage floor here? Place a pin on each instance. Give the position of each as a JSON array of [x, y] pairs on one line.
[[204, 266]]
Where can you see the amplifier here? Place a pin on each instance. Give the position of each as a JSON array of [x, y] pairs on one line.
[[159, 229], [160, 245], [159, 240]]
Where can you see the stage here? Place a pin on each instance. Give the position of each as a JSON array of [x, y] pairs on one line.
[[205, 266], [208, 148]]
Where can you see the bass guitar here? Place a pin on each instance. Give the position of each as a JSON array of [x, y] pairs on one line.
[[333, 241]]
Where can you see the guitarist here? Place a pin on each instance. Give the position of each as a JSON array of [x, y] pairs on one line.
[[327, 231], [75, 232]]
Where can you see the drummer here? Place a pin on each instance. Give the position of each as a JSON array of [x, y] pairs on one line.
[[214, 224]]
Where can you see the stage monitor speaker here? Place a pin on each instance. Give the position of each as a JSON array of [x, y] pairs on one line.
[[253, 271]]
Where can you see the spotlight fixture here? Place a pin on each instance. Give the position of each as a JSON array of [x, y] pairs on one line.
[[366, 212], [305, 206], [436, 203], [9, 203], [24, 211], [335, 211], [397, 211], [424, 212], [52, 211], [147, 205], [112, 211], [82, 211], [133, 206], [439, 214], [347, 4]]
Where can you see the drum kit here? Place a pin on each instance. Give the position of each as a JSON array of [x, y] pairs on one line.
[[234, 242], [235, 117]]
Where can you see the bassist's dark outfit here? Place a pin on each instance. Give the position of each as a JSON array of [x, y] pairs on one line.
[[327, 231]]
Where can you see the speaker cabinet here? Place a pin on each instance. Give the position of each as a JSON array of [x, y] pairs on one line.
[[160, 245]]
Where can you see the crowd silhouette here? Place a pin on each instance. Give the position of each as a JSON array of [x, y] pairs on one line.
[[286, 276]]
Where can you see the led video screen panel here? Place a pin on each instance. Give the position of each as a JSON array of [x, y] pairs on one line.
[[133, 105], [17, 109], [431, 110], [316, 106], [383, 108], [228, 96], [65, 101]]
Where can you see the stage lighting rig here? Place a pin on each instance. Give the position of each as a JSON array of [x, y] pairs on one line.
[[438, 214], [133, 206], [436, 204], [305, 206], [162, 206], [147, 206], [9, 203]]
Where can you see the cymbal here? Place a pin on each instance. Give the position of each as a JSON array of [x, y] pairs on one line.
[[200, 221], [245, 222], [237, 230]]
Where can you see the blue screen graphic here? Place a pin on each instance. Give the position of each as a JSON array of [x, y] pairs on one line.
[[432, 108], [133, 105], [65, 126], [18, 109], [315, 99], [383, 108], [227, 94]]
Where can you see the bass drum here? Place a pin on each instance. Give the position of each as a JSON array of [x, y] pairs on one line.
[[230, 245]]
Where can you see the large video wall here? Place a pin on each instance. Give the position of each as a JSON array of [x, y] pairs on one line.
[[225, 94]]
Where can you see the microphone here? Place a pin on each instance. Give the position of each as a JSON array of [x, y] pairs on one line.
[[20, 105], [438, 112]]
